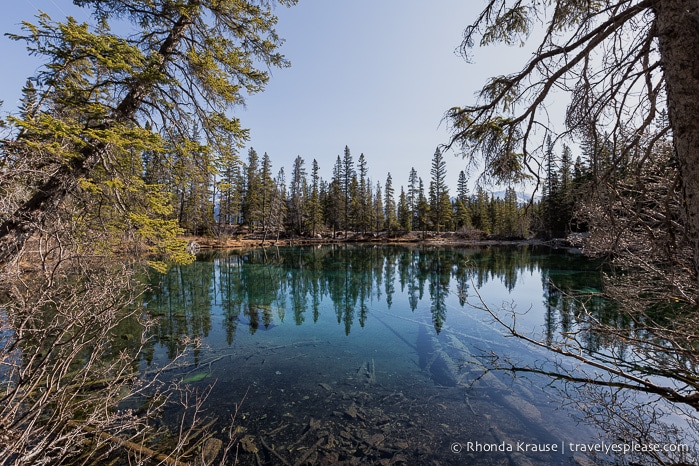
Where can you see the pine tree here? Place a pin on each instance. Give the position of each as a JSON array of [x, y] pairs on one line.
[[391, 223], [315, 211], [507, 224], [346, 175], [355, 204], [268, 187], [440, 205], [192, 183], [423, 208], [550, 201], [335, 206], [566, 194], [297, 196], [480, 212], [252, 201], [364, 194], [404, 213], [378, 211], [171, 72], [462, 213], [276, 217], [231, 188], [413, 194]]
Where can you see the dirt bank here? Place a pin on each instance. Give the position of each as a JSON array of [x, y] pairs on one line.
[[431, 238]]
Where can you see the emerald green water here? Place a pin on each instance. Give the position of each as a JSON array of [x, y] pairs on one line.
[[374, 354]]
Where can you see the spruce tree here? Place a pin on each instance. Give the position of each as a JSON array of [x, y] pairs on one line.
[[423, 208], [389, 206], [252, 200], [346, 175], [462, 213], [364, 194], [231, 187], [440, 205], [413, 194], [297, 196], [378, 210], [315, 210], [268, 187], [404, 213], [335, 206]]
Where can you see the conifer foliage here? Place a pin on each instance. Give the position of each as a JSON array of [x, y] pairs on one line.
[[104, 103], [352, 204]]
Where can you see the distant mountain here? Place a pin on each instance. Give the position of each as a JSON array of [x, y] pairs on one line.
[[522, 197]]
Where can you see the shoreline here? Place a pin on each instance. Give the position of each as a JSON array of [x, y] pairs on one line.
[[206, 243]]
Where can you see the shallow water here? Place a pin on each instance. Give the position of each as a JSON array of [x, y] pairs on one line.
[[375, 355]]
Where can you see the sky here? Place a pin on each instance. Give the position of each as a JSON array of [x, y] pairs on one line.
[[377, 76]]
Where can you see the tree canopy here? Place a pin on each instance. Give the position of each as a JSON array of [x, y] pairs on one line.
[[166, 88]]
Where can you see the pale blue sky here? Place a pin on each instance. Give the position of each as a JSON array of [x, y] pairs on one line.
[[376, 75]]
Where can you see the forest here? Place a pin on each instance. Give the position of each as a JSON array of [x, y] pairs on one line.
[[249, 197]]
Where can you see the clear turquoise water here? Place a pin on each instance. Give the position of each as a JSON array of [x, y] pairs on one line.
[[375, 354]]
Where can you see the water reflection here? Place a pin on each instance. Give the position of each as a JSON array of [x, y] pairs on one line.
[[371, 354], [256, 288]]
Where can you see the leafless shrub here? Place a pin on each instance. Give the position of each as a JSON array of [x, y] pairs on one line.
[[634, 376], [70, 387], [636, 218]]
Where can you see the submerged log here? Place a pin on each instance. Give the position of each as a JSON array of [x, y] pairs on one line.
[[132, 446]]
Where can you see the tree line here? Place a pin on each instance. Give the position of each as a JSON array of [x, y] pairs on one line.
[[234, 196], [249, 196]]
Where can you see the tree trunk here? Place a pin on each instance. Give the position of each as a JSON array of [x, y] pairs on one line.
[[678, 33]]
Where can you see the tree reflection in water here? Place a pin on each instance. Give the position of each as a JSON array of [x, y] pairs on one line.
[[422, 297]]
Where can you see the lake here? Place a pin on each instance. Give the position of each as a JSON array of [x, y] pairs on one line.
[[360, 354]]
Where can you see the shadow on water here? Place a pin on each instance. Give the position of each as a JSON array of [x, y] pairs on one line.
[[370, 355]]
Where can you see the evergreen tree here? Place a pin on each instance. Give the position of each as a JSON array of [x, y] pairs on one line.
[[165, 74], [566, 194], [355, 204], [267, 188], [29, 103], [192, 183], [440, 205], [507, 222], [276, 214], [335, 205], [315, 211], [423, 208], [404, 213], [462, 213], [480, 212], [378, 209], [364, 194], [391, 222], [231, 187], [346, 175], [297, 196], [550, 201], [324, 195], [558, 201], [413, 194], [252, 200]]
